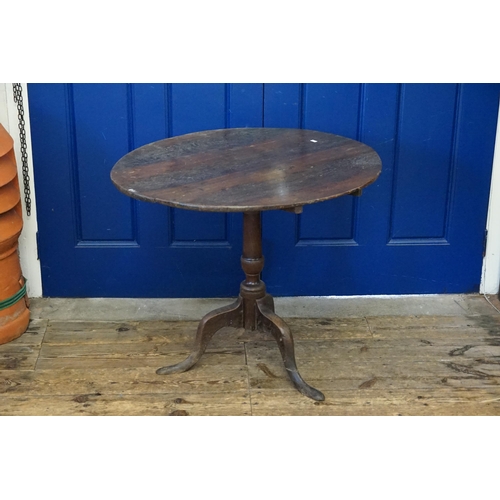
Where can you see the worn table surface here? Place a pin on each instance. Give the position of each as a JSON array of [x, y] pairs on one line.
[[246, 169]]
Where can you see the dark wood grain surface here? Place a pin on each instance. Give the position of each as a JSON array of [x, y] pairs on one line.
[[246, 169]]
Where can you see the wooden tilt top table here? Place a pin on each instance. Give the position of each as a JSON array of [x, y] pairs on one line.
[[247, 170]]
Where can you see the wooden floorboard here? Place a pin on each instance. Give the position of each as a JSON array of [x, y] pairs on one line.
[[235, 403], [375, 365], [406, 402]]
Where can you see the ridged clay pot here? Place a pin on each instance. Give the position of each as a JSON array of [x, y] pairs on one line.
[[14, 319]]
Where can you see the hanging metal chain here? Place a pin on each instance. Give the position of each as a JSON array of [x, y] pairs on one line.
[[18, 99]]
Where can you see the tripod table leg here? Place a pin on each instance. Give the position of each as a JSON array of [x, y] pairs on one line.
[[273, 323], [231, 315]]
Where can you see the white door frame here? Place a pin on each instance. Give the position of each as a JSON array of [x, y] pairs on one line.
[[490, 278], [28, 251]]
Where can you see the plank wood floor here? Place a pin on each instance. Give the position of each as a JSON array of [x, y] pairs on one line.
[[380, 365]]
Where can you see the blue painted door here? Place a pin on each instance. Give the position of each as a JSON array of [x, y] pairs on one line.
[[418, 229]]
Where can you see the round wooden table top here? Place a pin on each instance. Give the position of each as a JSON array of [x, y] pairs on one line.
[[246, 169]]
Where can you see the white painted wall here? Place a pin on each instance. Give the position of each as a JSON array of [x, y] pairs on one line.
[[30, 264]]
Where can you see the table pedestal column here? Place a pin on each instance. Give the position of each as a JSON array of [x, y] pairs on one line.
[[253, 310]]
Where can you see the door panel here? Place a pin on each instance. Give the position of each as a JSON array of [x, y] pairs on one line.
[[418, 229], [426, 149], [99, 118]]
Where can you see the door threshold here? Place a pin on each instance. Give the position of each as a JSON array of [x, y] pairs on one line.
[[125, 309]]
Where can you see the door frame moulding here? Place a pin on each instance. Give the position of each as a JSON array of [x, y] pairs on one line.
[[28, 249], [490, 278]]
